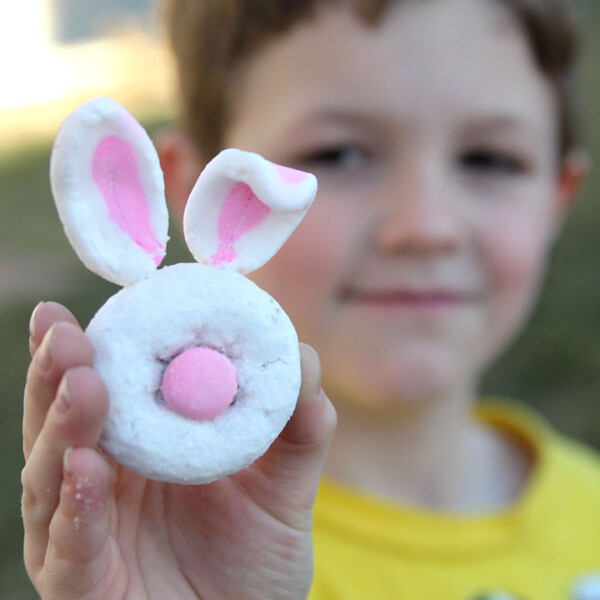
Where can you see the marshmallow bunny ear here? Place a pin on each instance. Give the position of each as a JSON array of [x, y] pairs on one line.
[[109, 191], [243, 208]]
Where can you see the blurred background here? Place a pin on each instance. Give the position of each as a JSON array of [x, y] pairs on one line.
[[58, 53]]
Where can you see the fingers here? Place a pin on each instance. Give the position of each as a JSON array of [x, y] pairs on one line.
[[80, 551], [44, 315], [75, 419], [65, 492], [58, 346], [297, 457]]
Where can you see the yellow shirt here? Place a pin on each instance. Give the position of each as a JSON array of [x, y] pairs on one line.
[[544, 547]]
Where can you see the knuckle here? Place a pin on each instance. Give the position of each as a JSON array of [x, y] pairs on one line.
[[26, 477], [29, 498]]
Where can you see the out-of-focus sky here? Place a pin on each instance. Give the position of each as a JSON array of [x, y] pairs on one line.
[[56, 54]]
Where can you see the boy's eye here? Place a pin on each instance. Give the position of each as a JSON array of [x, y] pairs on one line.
[[492, 162], [336, 157]]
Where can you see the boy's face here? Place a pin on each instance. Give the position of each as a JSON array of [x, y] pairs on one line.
[[433, 137]]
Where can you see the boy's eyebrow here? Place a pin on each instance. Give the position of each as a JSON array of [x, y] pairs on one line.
[[336, 115], [501, 123], [496, 122], [485, 123]]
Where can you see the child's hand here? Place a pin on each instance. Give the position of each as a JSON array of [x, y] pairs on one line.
[[97, 531]]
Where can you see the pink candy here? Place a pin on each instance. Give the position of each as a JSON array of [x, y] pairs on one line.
[[199, 384]]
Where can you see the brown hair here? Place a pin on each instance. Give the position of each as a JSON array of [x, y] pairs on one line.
[[209, 38]]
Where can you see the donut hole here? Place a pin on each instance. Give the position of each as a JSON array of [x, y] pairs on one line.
[[199, 384]]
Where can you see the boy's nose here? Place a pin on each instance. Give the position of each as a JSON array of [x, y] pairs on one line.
[[419, 217]]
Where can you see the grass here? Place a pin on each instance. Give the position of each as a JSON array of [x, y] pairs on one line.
[[553, 365]]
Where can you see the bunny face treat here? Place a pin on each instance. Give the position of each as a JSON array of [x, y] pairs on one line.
[[201, 365]]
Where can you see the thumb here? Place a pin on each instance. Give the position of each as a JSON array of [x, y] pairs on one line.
[[295, 460], [313, 423]]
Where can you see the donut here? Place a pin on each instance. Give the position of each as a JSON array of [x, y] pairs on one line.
[[194, 306], [202, 366]]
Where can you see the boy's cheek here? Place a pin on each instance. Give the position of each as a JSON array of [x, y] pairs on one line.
[[319, 246], [517, 258]]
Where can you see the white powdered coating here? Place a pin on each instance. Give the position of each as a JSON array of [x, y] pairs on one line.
[[144, 326], [100, 243]]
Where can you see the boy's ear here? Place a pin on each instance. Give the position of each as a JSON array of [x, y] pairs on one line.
[[181, 164], [574, 169]]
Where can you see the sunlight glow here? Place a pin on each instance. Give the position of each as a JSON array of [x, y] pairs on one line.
[[24, 36], [42, 80]]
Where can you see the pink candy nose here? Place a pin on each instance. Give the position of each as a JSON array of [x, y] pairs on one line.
[[199, 384]]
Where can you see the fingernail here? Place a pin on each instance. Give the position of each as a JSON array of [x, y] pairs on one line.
[[66, 466], [43, 358], [32, 322], [311, 374], [63, 400]]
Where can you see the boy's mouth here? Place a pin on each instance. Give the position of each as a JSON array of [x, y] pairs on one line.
[[407, 298]]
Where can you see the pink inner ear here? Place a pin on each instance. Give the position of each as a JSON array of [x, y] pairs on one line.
[[115, 172], [242, 211], [291, 175]]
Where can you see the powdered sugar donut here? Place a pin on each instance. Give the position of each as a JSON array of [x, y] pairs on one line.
[[201, 365]]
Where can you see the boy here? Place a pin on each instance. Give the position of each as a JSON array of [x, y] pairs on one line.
[[442, 139]]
